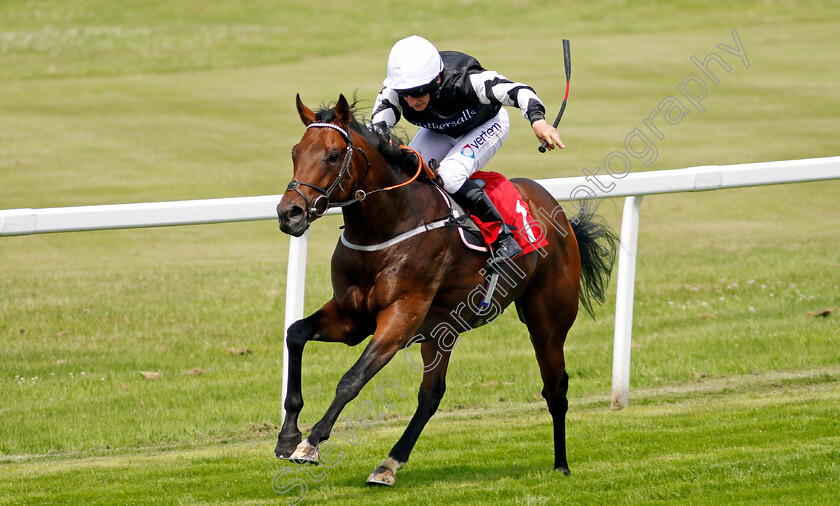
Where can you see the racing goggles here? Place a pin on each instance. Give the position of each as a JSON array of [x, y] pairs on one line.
[[419, 91]]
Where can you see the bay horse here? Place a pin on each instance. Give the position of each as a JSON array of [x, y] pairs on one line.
[[403, 288]]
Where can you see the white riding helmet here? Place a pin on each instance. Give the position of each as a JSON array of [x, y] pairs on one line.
[[413, 62]]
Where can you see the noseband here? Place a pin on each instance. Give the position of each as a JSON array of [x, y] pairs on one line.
[[313, 209]]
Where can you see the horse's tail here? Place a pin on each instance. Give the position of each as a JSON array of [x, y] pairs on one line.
[[597, 244]]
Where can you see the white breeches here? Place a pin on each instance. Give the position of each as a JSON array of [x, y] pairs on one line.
[[460, 157]]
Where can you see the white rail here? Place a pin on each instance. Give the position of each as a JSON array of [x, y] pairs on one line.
[[632, 185], [150, 214]]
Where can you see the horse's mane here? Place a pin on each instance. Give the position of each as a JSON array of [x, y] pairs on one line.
[[388, 145]]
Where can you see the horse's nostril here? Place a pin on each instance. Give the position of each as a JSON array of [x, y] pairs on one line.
[[294, 212]]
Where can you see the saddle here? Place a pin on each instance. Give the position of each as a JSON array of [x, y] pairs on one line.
[[469, 231], [475, 234]]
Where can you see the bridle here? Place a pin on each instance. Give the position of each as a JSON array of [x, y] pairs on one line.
[[312, 209]]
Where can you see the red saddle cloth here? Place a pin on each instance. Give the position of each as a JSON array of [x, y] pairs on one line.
[[514, 211]]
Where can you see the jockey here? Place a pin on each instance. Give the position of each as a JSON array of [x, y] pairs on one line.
[[458, 106]]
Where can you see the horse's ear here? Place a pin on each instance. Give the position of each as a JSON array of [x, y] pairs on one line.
[[342, 110], [306, 114]]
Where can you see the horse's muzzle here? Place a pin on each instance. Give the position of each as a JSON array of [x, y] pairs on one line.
[[292, 218]]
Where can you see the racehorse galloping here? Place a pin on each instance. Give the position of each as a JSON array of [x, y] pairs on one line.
[[400, 290]]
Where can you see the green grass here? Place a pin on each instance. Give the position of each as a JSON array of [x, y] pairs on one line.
[[733, 388], [710, 442]]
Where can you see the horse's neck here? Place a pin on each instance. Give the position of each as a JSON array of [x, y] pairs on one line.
[[386, 214]]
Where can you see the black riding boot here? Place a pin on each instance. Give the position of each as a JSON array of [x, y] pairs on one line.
[[472, 196]]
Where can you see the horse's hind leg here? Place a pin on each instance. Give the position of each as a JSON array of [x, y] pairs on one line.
[[555, 393], [549, 320], [326, 324], [435, 360]]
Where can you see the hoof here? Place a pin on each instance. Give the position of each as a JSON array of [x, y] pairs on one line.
[[382, 477], [563, 470], [305, 453], [286, 446]]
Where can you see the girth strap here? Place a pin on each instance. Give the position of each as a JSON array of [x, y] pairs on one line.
[[449, 219], [395, 240]]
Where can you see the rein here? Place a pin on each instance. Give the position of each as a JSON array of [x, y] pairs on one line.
[[313, 208], [316, 209]]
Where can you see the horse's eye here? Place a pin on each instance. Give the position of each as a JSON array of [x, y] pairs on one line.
[[333, 157]]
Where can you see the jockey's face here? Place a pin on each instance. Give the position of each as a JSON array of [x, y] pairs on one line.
[[418, 103], [418, 98]]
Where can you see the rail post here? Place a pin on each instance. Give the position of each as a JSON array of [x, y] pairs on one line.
[[295, 290], [624, 301]]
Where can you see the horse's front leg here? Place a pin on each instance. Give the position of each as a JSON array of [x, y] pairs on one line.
[[394, 327], [327, 324], [436, 360]]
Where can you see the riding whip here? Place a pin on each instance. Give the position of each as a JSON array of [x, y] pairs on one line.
[[567, 60]]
